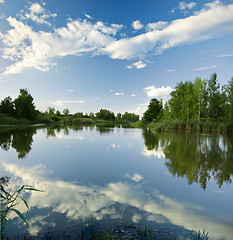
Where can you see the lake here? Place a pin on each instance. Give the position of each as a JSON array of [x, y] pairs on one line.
[[107, 177]]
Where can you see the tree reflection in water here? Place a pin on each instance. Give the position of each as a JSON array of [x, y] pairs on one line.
[[197, 157], [18, 138]]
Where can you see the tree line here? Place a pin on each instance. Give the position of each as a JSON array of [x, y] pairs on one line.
[[23, 107], [197, 100]]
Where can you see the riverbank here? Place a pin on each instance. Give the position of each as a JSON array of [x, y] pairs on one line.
[[7, 121], [179, 125]]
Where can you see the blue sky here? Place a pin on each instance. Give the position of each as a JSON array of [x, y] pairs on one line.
[[85, 55]]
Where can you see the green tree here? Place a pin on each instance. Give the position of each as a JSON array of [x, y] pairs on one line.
[[214, 98], [7, 106], [24, 106], [131, 117], [175, 102], [66, 112], [105, 115], [58, 113], [91, 115], [118, 116], [200, 94], [154, 110], [51, 111], [227, 96], [78, 115]]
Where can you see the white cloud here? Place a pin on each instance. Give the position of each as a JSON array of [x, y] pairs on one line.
[[78, 201], [119, 94], [156, 26], [138, 65], [153, 153], [71, 90], [225, 55], [133, 95], [137, 177], [137, 25], [185, 6], [28, 48], [37, 14], [205, 68], [152, 91], [60, 103], [171, 70], [88, 16], [1, 1], [208, 23]]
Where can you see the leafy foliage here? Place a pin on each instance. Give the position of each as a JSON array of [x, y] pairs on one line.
[[105, 115], [7, 106], [8, 202], [24, 106], [154, 110]]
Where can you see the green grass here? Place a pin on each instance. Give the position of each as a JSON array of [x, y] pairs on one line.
[[209, 126], [139, 123]]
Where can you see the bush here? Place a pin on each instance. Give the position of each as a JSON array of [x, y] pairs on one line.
[[80, 121], [43, 119]]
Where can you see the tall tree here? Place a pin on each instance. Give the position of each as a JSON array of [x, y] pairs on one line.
[[214, 98], [154, 111], [200, 94], [66, 112], [24, 106], [7, 106], [227, 95], [182, 101]]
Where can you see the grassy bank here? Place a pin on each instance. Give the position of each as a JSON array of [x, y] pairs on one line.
[[7, 120], [207, 126]]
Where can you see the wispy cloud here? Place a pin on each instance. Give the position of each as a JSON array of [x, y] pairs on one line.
[[119, 94], [60, 103], [137, 25], [225, 55], [88, 16], [152, 91], [38, 14], [205, 68], [133, 95], [1, 1], [171, 70], [185, 6]]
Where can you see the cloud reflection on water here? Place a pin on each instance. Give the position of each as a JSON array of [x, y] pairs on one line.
[[79, 202]]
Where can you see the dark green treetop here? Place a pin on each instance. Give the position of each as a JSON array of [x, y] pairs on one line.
[[24, 106], [154, 110]]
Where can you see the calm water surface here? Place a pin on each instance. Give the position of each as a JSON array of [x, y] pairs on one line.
[[173, 182]]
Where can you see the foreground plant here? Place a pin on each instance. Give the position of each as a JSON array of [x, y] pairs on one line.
[[8, 202]]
